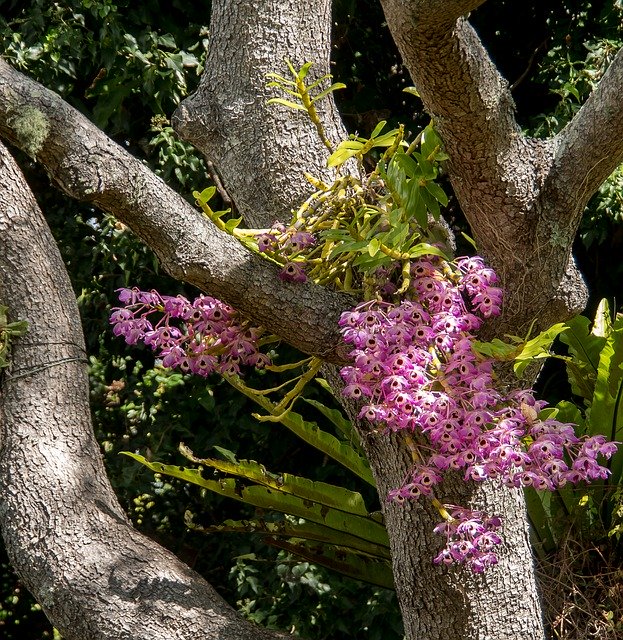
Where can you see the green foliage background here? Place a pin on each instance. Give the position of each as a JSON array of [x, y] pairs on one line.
[[126, 65]]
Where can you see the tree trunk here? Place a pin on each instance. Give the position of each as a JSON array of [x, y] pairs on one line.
[[65, 533]]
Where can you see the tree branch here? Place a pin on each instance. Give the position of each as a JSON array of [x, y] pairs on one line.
[[469, 100], [590, 147], [89, 166], [66, 535]]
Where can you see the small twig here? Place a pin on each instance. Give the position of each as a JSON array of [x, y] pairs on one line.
[[529, 66], [216, 179]]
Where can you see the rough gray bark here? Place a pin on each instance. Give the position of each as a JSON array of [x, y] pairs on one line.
[[261, 151], [523, 199], [65, 533]]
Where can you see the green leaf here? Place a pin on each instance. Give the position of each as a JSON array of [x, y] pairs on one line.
[[334, 87], [537, 348], [407, 164], [431, 142], [497, 349], [367, 262], [286, 103], [300, 529], [396, 237], [568, 412], [428, 170], [304, 70], [316, 437], [425, 249], [357, 566], [321, 492], [605, 415], [584, 350], [204, 196], [337, 418], [379, 127], [226, 453], [413, 91], [539, 515], [231, 224], [415, 206], [437, 192], [602, 324], [431, 203], [345, 247], [272, 498], [386, 140], [373, 246], [340, 156], [280, 79]]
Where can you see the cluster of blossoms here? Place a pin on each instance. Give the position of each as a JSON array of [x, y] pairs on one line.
[[200, 337], [286, 242], [470, 539], [415, 368]]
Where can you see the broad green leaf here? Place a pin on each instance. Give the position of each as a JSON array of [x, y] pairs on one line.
[[407, 164], [428, 170], [354, 145], [320, 492], [304, 70], [416, 207], [431, 203], [342, 154], [536, 348], [539, 514], [413, 91], [204, 196], [367, 262], [424, 249], [602, 324], [437, 192], [584, 345], [497, 349], [265, 497], [231, 224], [569, 412], [605, 415], [226, 453], [336, 234], [373, 246], [396, 237], [431, 142], [386, 140], [345, 247], [337, 418]]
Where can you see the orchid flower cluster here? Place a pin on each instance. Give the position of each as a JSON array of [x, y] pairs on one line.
[[416, 371], [288, 242], [200, 337]]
